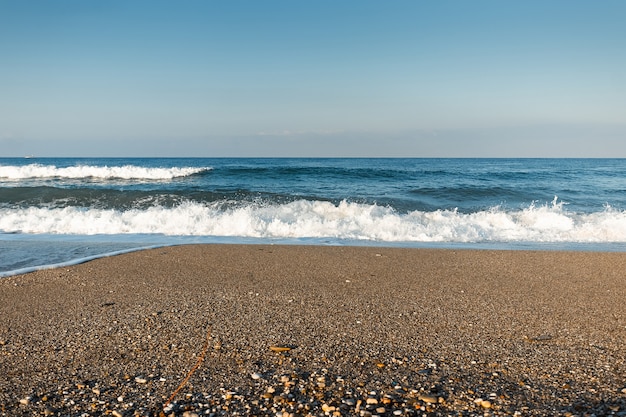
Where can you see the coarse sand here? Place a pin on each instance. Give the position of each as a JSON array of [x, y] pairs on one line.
[[315, 330]]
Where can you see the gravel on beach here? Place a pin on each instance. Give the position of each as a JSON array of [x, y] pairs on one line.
[[321, 331]]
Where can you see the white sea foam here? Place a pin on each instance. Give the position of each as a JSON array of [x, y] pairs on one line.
[[126, 172], [316, 219]]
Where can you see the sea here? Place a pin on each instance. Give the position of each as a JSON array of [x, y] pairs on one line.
[[62, 211]]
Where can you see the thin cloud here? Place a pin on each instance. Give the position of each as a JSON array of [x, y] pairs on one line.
[[287, 132]]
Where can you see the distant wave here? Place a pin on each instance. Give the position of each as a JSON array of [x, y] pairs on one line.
[[317, 219], [126, 172]]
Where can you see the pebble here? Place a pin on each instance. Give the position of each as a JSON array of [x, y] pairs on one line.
[[431, 399], [141, 380], [482, 403], [25, 401], [256, 376], [190, 414], [327, 408], [116, 413]]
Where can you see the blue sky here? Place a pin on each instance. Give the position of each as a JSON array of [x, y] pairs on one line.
[[313, 78]]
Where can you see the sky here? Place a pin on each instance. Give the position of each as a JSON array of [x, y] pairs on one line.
[[543, 78]]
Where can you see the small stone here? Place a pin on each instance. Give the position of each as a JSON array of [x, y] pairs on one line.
[[48, 412], [327, 408], [381, 410], [482, 403], [96, 391], [116, 413], [371, 401], [430, 399], [190, 414], [25, 401], [140, 380], [397, 412], [349, 401], [256, 376], [120, 399]]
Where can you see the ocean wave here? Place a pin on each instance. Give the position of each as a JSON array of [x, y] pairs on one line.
[[125, 172], [318, 219]]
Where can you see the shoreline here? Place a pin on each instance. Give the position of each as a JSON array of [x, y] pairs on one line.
[[123, 247], [416, 330]]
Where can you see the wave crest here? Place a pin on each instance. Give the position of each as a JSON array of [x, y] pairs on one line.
[[125, 172], [318, 219]]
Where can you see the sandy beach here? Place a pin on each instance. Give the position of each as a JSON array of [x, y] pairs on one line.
[[305, 330]]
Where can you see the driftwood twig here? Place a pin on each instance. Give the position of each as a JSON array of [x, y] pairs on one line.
[[194, 369]]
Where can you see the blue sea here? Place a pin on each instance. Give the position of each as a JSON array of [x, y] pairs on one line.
[[59, 211]]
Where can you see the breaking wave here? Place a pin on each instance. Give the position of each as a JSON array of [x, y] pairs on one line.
[[125, 172], [319, 219]]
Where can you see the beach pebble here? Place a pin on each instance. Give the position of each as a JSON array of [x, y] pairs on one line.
[[25, 401], [190, 414], [431, 399], [327, 408], [141, 380], [482, 403], [371, 401], [256, 376], [116, 413]]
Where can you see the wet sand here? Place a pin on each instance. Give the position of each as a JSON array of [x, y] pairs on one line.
[[366, 331]]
